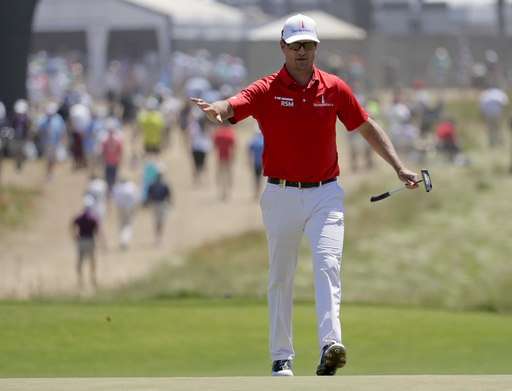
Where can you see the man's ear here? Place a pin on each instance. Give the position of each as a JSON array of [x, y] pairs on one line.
[[283, 46]]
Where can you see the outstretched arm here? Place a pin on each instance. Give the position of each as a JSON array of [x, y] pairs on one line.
[[380, 143], [217, 111]]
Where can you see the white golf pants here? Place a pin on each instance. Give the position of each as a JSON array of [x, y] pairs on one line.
[[288, 213]]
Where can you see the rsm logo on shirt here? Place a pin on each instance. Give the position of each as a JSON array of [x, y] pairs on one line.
[[286, 102]]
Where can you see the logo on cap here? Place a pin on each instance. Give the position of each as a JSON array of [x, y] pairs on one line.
[[299, 27]]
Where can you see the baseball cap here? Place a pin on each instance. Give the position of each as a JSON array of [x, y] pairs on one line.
[[88, 201], [299, 28], [51, 108], [152, 103], [21, 106]]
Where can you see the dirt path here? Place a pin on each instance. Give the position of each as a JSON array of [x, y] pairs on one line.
[[39, 259]]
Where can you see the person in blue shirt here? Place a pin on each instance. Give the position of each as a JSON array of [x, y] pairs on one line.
[[51, 134], [255, 152]]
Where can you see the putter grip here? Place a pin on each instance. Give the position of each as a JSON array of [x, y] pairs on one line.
[[380, 197]]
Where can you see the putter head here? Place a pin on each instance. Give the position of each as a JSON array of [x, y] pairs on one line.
[[426, 180]]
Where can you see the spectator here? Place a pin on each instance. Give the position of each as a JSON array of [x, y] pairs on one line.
[[20, 122], [200, 143], [113, 83], [149, 173], [97, 189], [404, 136], [91, 141], [80, 119], [3, 134], [151, 124], [84, 231], [440, 67], [255, 153], [51, 134], [126, 197], [465, 63], [170, 108], [160, 199], [446, 139], [491, 104], [129, 106], [224, 141], [112, 152]]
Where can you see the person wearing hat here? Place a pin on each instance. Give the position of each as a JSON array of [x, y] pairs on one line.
[[51, 135], [126, 197], [84, 231], [21, 124], [151, 125], [3, 133], [112, 152], [159, 198], [296, 109]]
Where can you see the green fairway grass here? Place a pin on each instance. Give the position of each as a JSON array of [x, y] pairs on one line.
[[426, 278], [229, 338]]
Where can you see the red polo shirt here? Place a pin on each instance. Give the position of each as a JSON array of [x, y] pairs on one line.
[[299, 123]]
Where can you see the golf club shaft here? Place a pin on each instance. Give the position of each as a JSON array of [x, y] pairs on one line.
[[388, 193]]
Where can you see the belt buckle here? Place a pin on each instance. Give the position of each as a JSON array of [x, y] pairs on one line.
[[300, 185], [281, 182]]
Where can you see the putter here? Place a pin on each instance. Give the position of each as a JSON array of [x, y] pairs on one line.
[[426, 180]]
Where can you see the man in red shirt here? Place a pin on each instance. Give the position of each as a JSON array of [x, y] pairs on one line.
[[447, 141], [296, 109], [224, 141]]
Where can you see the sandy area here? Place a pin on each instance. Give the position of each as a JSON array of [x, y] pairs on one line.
[[38, 258]]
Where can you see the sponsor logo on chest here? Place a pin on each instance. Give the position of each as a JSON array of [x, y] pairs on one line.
[[323, 103], [288, 102]]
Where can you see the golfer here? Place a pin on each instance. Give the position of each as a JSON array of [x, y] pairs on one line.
[[296, 109]]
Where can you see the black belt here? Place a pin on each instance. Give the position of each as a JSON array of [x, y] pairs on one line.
[[300, 185]]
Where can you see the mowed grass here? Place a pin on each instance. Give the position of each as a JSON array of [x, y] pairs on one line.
[[229, 338], [427, 289], [449, 248]]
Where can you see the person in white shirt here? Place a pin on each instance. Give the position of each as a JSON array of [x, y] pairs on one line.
[[492, 103], [126, 196]]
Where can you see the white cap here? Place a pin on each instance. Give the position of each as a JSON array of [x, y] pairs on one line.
[[299, 28], [161, 168], [152, 103], [88, 201], [21, 106], [111, 124], [51, 108]]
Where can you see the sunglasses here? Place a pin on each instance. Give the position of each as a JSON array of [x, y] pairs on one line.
[[306, 45]]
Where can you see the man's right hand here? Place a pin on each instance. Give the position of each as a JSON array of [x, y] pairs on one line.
[[213, 114]]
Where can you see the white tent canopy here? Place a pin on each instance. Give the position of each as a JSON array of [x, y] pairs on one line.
[[193, 10], [329, 28], [172, 20], [198, 19]]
